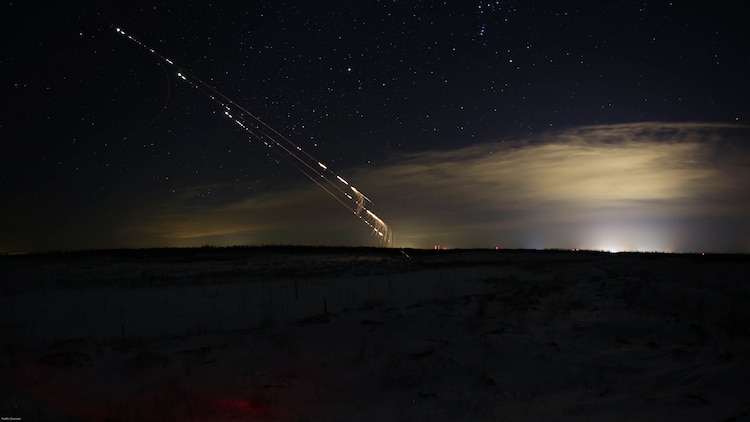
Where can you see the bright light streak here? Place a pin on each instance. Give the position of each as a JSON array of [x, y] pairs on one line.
[[360, 194], [290, 151]]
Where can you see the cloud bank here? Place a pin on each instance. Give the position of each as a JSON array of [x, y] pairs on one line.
[[637, 186]]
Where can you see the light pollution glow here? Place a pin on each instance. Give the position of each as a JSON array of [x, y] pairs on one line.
[[640, 186], [674, 187]]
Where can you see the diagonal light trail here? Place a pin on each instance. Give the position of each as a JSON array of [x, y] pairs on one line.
[[320, 174]]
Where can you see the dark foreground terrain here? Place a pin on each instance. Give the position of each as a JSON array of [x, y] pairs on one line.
[[371, 334]]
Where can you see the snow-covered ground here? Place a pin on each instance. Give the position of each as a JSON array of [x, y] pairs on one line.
[[360, 334]]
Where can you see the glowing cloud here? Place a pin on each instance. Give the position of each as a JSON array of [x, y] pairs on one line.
[[639, 186]]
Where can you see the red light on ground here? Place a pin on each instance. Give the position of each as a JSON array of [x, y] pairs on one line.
[[254, 406]]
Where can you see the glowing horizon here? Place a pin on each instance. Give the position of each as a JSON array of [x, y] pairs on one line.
[[650, 186]]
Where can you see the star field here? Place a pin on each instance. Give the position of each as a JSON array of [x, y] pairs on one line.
[[99, 131]]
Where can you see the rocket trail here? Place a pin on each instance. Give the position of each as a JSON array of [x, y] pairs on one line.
[[320, 174]]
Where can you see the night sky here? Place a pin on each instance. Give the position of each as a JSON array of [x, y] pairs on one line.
[[519, 124]]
